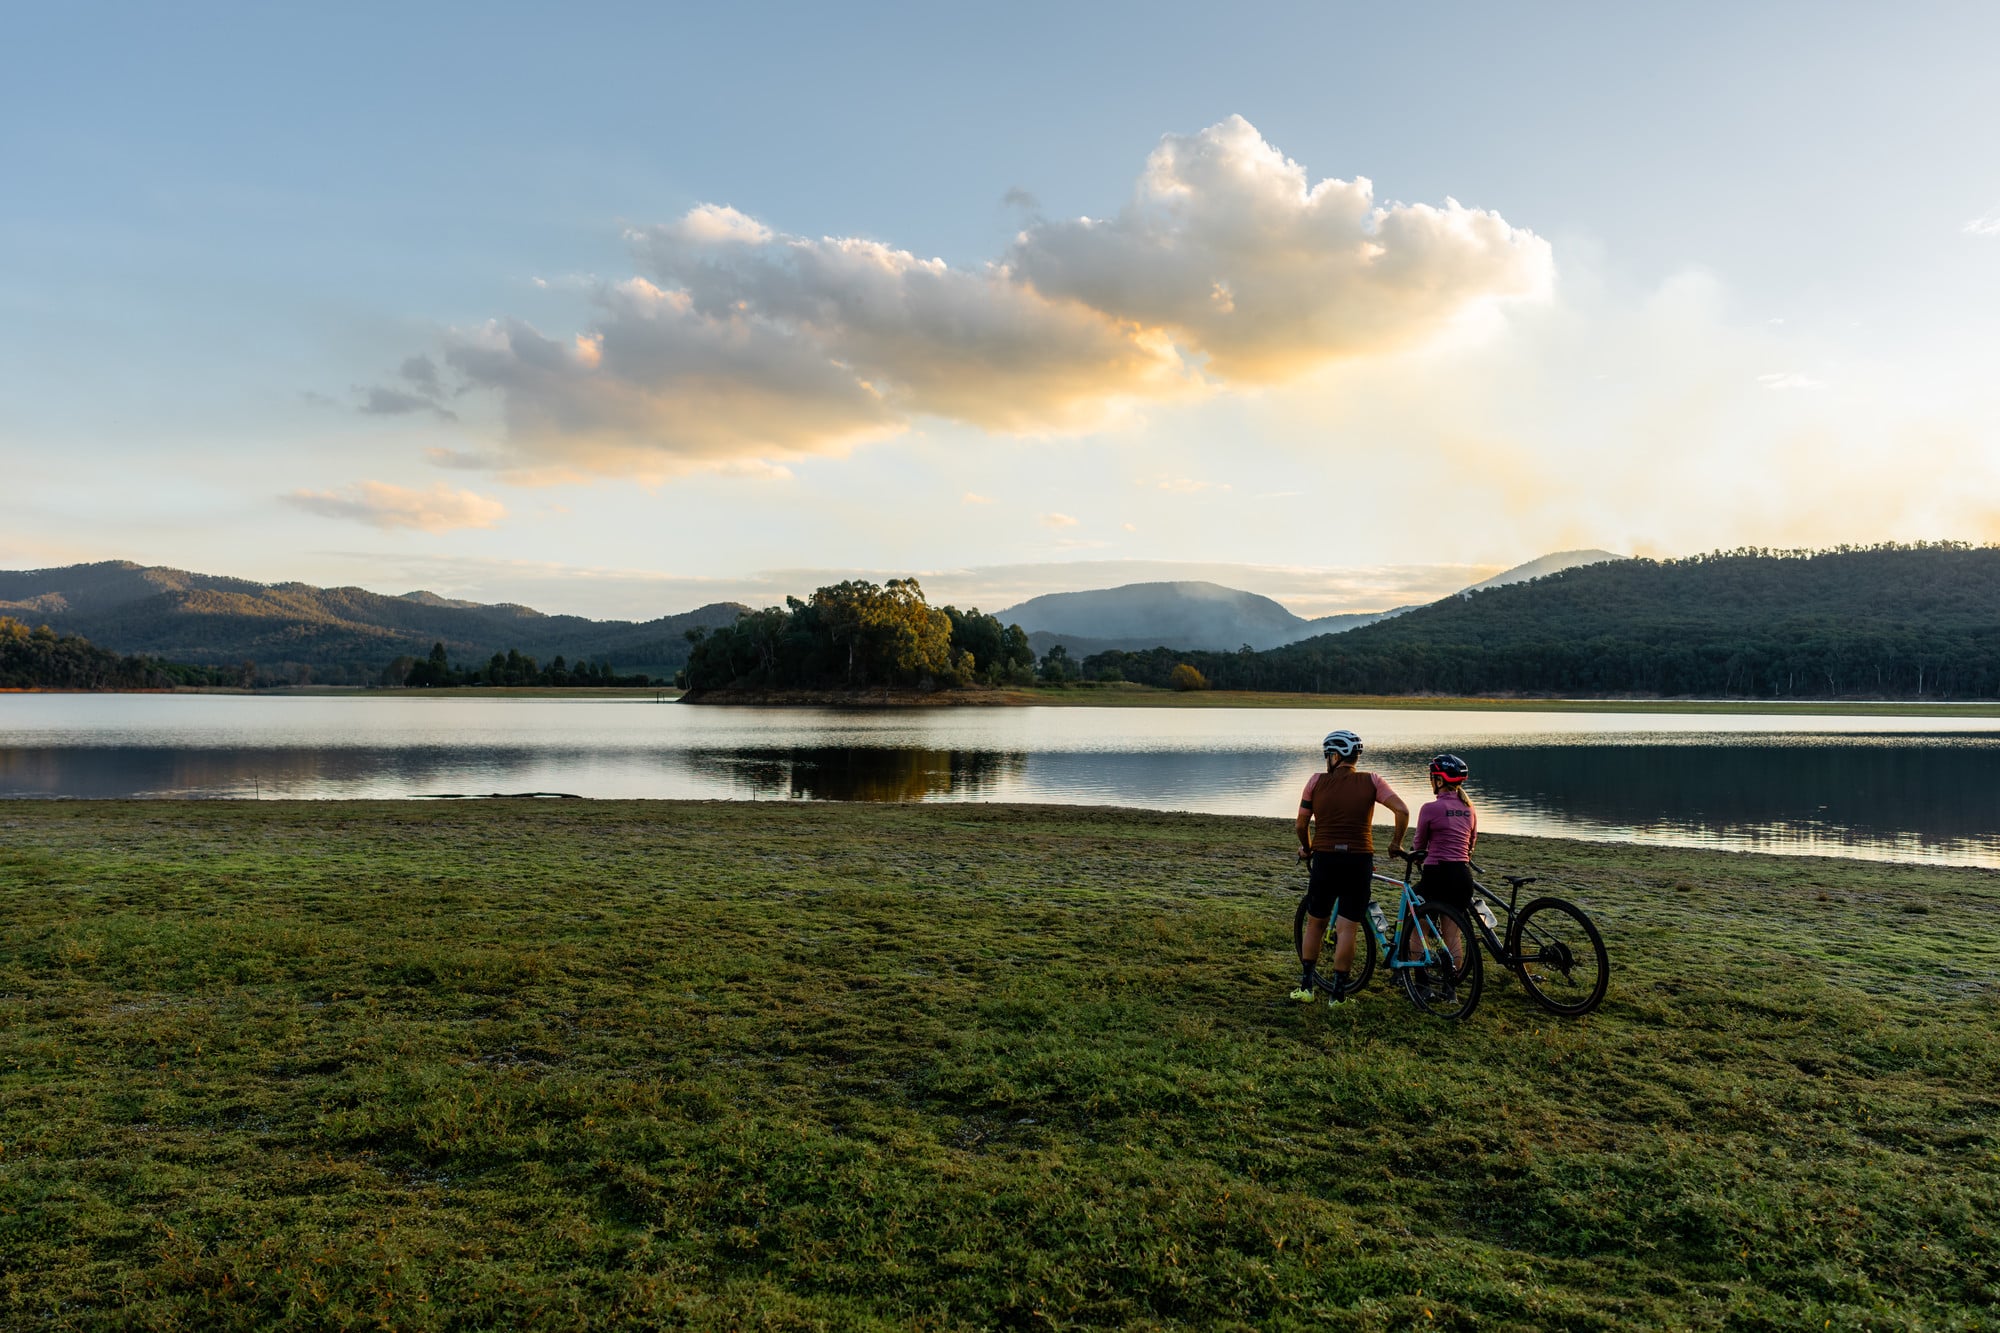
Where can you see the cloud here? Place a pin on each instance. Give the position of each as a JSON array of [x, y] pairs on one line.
[[1229, 247], [1227, 267], [1986, 225], [1790, 379], [464, 460], [1057, 521], [378, 401], [439, 509], [426, 393], [1181, 485], [974, 498]]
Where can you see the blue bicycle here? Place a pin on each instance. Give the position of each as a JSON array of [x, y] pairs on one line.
[[1437, 977]]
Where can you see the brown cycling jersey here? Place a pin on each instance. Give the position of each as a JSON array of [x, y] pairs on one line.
[[1343, 809]]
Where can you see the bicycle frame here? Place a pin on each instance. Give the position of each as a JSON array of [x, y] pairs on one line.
[[1492, 933], [1432, 940]]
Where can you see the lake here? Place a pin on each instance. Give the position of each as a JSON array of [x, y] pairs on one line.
[[1918, 788]]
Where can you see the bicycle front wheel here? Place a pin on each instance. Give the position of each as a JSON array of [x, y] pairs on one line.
[[1363, 966], [1449, 981], [1560, 956]]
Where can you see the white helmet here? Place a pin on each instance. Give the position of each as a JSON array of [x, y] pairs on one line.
[[1343, 743]]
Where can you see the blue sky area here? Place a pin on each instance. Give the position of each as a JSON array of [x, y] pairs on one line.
[[618, 310]]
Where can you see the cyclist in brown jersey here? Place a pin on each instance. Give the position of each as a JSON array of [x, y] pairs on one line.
[[1336, 832]]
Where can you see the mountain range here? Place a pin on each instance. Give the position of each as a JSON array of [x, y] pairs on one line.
[[347, 635], [1138, 616], [326, 634]]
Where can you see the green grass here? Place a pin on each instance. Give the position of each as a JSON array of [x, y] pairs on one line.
[[508, 1065]]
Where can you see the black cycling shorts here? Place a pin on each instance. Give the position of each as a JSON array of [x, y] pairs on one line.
[[1447, 882], [1343, 878]]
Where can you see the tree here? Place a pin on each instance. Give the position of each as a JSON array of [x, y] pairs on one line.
[[1186, 677]]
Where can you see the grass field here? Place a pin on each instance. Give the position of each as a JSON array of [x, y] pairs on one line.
[[508, 1065]]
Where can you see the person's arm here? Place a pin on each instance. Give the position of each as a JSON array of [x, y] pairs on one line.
[[1423, 838], [1304, 825], [1386, 795]]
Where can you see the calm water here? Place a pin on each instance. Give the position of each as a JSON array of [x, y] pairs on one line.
[[1893, 788]]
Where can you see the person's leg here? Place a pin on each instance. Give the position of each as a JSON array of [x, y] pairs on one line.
[[1450, 883], [1319, 905], [1309, 947], [1343, 945]]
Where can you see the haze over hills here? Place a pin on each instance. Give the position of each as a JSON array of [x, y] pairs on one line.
[[1201, 615], [335, 633]]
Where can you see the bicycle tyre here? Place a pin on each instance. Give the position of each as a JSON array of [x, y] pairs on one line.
[[1363, 966], [1555, 968], [1447, 987]]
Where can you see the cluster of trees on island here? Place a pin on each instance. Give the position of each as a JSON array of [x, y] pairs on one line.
[[508, 668], [41, 659], [860, 635]]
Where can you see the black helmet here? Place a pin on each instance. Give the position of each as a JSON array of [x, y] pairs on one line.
[[1343, 743], [1450, 769]]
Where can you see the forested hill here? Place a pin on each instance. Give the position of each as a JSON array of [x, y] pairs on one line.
[[41, 659], [1897, 622], [295, 630]]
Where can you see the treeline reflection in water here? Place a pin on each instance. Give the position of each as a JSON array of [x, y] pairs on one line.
[[1885, 796]]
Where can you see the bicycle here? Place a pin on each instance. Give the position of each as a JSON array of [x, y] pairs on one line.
[[1551, 945], [1433, 980]]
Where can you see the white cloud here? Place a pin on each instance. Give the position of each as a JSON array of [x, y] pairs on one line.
[[1228, 245], [1227, 267], [1987, 225], [1181, 485], [974, 498], [1058, 521], [1790, 379], [439, 509]]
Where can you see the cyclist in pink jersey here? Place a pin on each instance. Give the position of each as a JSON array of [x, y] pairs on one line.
[[1447, 828]]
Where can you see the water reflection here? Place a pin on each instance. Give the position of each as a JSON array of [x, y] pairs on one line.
[[845, 773], [1887, 787]]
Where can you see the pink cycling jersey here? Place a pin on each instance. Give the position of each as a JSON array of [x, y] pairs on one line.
[[1446, 829]]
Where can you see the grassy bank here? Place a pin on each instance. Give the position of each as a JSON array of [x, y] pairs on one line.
[[791, 1066]]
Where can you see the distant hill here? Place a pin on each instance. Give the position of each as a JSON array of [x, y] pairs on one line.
[[1890, 621], [337, 634], [1183, 614], [1190, 614], [1553, 563]]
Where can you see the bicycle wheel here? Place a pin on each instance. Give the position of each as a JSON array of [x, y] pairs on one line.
[[1560, 956], [1363, 966], [1446, 986]]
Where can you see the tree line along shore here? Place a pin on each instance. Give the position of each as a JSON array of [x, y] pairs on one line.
[[1918, 623], [638, 1064]]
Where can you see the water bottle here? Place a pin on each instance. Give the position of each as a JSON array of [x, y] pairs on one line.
[[1486, 915], [1380, 922]]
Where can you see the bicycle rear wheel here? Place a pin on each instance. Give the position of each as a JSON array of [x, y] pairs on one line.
[[1363, 966], [1446, 986], [1560, 956]]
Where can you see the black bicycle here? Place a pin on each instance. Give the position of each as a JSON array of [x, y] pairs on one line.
[[1551, 945]]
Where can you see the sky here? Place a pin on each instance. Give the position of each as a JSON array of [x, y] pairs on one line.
[[616, 310]]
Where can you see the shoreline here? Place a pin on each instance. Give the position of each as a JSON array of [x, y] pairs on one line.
[[1113, 695]]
